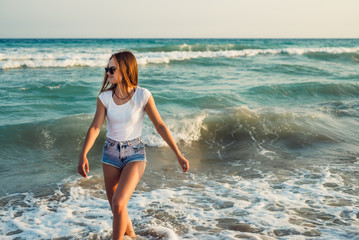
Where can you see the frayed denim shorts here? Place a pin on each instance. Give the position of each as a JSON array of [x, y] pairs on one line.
[[120, 153]]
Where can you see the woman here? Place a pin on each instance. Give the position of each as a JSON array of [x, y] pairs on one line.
[[124, 104]]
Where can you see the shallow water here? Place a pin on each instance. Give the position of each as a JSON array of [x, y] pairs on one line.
[[270, 128]]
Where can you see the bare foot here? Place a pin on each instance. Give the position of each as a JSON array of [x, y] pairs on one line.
[[129, 231], [128, 238], [131, 234]]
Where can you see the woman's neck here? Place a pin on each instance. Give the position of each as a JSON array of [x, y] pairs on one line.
[[121, 91]]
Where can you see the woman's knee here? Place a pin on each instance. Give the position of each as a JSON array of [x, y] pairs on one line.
[[118, 205]]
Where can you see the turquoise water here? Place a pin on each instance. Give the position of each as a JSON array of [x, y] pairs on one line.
[[270, 127]]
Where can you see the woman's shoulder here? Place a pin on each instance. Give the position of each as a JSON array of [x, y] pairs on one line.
[[106, 93], [142, 89], [144, 92], [105, 97]]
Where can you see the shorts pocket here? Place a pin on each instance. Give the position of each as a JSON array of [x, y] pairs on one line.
[[108, 144], [136, 144]]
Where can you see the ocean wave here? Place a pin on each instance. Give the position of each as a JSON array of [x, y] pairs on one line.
[[167, 57], [291, 69], [34, 58], [262, 126], [184, 128], [341, 108], [313, 89], [49, 58], [231, 126], [194, 48]]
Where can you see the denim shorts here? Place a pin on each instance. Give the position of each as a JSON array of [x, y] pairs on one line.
[[119, 153]]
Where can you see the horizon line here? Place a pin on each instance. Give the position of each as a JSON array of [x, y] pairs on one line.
[[98, 38]]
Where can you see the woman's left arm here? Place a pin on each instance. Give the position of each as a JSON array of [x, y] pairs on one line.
[[162, 129]]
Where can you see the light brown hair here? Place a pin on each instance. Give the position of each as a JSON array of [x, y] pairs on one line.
[[127, 64]]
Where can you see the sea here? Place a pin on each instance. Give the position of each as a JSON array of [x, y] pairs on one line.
[[270, 128]]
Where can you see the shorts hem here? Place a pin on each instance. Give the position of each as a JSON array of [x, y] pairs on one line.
[[111, 165], [137, 160]]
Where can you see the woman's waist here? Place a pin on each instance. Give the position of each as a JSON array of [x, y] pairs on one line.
[[126, 138]]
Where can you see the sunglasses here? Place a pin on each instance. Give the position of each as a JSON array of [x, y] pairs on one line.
[[110, 69]]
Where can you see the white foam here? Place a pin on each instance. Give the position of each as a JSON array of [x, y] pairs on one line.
[[54, 87], [198, 207], [61, 57], [98, 57], [165, 232], [49, 218], [166, 57], [186, 128], [254, 197]]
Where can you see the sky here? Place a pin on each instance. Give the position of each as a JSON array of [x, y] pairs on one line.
[[179, 19]]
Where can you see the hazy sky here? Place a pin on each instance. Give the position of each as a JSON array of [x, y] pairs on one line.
[[179, 19]]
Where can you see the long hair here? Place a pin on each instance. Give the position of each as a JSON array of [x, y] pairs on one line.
[[127, 64]]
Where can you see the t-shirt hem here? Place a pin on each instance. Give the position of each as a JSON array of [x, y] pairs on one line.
[[121, 140]]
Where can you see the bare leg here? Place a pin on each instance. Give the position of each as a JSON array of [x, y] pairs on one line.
[[129, 229], [112, 177], [130, 176]]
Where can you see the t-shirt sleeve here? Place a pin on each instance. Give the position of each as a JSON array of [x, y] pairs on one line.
[[103, 99], [146, 95]]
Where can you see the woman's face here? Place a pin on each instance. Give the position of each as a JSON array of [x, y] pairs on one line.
[[116, 77]]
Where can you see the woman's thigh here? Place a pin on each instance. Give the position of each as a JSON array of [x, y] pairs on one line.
[[112, 177], [130, 176]]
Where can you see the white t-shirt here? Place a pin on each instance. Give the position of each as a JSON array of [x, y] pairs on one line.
[[124, 122]]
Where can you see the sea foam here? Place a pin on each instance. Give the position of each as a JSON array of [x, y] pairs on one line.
[[33, 58], [300, 205]]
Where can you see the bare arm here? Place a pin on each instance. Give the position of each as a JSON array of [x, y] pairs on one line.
[[92, 134], [162, 129]]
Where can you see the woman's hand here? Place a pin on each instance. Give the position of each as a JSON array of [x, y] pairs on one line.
[[162, 129], [183, 162], [83, 166]]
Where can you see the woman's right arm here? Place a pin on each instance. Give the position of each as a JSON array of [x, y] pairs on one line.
[[92, 134]]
